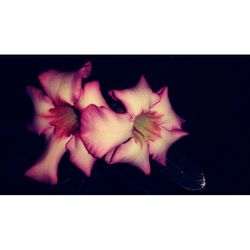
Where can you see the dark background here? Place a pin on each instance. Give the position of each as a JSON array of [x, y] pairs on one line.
[[210, 92]]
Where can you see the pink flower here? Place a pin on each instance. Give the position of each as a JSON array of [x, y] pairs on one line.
[[149, 127], [57, 115]]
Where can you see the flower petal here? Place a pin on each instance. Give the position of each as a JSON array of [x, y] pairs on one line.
[[171, 120], [133, 153], [79, 155], [64, 87], [136, 99], [85, 70], [91, 94], [42, 104], [102, 129], [159, 148], [46, 168]]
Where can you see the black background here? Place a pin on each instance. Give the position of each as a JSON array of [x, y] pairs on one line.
[[210, 92]]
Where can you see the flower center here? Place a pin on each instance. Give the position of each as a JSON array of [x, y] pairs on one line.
[[147, 127], [66, 119]]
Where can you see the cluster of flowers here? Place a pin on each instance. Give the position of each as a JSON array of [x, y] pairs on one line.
[[77, 118]]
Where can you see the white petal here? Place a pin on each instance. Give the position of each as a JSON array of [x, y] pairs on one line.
[[133, 153], [46, 168], [170, 120], [42, 104], [64, 87], [79, 155], [91, 94], [137, 99], [102, 129], [159, 148]]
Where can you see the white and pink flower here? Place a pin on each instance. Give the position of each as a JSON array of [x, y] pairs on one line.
[[149, 127], [57, 115], [78, 119]]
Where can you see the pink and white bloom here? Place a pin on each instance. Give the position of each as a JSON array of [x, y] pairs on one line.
[[57, 115], [149, 127]]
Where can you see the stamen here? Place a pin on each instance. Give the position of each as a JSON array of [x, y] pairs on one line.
[[147, 127], [138, 131], [66, 120]]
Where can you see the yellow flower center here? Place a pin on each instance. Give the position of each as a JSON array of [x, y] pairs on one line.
[[66, 120], [147, 127]]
